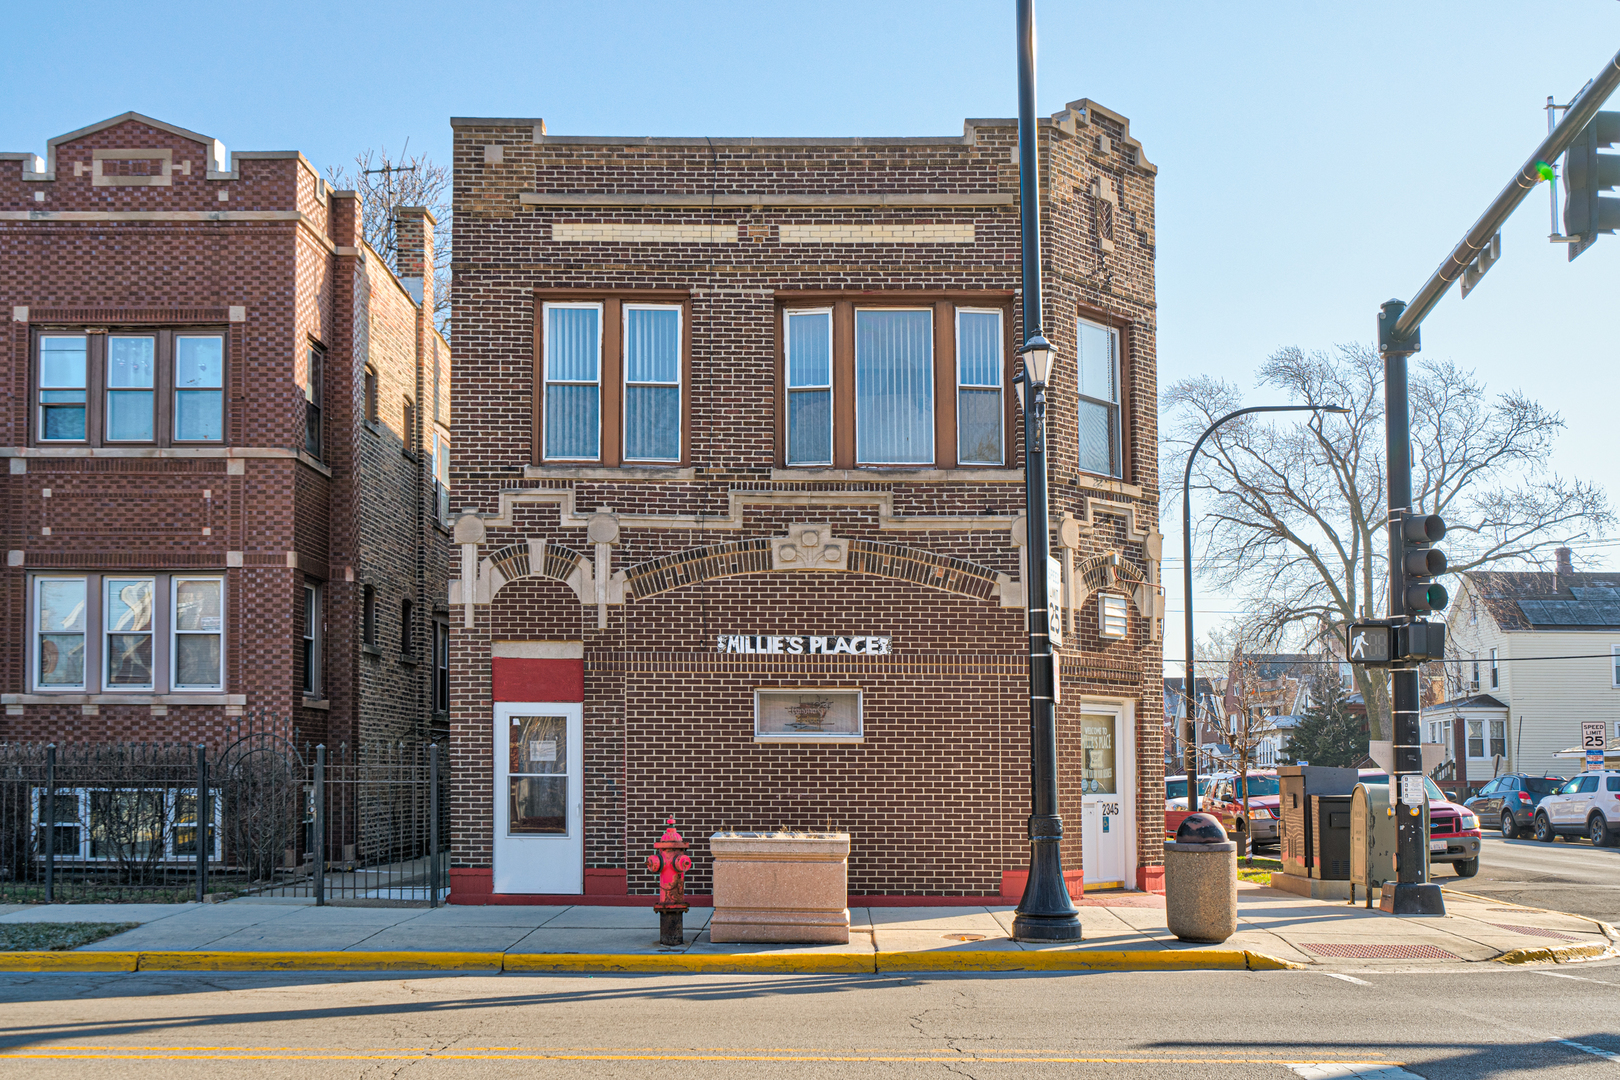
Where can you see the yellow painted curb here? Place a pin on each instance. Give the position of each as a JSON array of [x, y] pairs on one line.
[[1080, 960], [696, 963], [319, 961], [1556, 954], [67, 961]]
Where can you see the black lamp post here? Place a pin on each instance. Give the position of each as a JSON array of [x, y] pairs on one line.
[[1189, 686], [1045, 913]]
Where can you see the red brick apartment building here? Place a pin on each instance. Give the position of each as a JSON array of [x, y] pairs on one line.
[[738, 460], [222, 417]]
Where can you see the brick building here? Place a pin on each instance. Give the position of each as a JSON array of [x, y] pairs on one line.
[[738, 454], [223, 413]]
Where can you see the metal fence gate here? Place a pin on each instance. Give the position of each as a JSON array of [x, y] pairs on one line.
[[117, 822]]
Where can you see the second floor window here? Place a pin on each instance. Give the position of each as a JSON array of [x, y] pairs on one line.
[[652, 382], [1098, 364], [979, 407], [312, 403], [310, 641], [894, 386], [111, 388], [573, 375]]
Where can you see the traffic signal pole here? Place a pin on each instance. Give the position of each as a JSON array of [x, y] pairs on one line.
[[1398, 339]]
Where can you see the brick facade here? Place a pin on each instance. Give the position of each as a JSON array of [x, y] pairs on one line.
[[134, 227], [736, 232]]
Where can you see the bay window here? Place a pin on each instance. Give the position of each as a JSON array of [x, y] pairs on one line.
[[63, 384], [131, 382], [126, 633]]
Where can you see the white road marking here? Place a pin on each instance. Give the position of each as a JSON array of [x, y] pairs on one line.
[[1577, 978], [1346, 978], [1336, 1069], [1595, 1051]]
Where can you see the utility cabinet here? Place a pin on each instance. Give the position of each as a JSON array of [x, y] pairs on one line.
[[1297, 783], [1330, 829], [1373, 839]]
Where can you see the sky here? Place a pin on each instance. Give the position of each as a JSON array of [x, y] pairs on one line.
[[1314, 159]]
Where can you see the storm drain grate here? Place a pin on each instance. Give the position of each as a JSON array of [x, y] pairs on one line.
[[1534, 931], [1360, 951]]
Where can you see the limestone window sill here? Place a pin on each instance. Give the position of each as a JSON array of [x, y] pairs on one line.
[[899, 475], [201, 698], [598, 472], [371, 650], [408, 661], [317, 703]]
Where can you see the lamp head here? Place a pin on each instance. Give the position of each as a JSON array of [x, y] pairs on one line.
[[1038, 357], [1340, 409]]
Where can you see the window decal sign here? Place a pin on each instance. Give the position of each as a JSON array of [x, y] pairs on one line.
[[804, 644]]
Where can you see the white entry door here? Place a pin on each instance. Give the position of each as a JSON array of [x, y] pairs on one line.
[[1103, 827], [539, 798]]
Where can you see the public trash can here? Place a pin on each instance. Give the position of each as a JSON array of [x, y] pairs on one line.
[[1200, 881]]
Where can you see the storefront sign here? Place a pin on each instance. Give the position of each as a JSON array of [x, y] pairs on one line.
[[803, 644]]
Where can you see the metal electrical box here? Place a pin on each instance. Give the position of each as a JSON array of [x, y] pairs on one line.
[[1297, 784], [1372, 837], [1330, 829]]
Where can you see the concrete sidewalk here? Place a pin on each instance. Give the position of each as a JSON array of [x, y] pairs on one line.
[[1276, 929]]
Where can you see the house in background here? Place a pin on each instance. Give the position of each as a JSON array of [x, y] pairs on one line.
[[1536, 653], [221, 416]]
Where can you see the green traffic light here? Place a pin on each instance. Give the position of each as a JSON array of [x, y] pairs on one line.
[[1545, 171]]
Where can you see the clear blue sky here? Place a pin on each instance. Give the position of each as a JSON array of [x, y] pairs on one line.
[[1314, 159]]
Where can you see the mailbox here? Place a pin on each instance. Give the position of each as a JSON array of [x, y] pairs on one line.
[[1330, 829], [1372, 839], [1297, 784]]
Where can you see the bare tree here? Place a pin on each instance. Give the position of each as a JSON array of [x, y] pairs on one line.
[[385, 183], [1296, 512]]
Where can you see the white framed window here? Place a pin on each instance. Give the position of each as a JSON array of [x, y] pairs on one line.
[[1496, 671], [197, 635], [61, 622], [812, 714], [199, 389], [980, 409], [1098, 366], [128, 825], [572, 366], [441, 478], [809, 384], [894, 386], [652, 382], [1499, 738], [63, 387], [1473, 683], [1112, 617], [1476, 738], [131, 387], [127, 642], [310, 640], [1616, 673]]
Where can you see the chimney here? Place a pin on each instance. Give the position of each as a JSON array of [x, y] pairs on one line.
[[413, 246], [1565, 566]]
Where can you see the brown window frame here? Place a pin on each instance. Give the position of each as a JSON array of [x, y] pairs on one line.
[[164, 387], [610, 405], [943, 304]]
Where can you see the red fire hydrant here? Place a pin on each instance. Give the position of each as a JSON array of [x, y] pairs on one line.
[[670, 862]]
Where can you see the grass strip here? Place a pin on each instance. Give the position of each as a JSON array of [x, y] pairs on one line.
[[56, 936]]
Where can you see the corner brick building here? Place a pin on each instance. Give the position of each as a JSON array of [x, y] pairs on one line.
[[222, 414], [738, 466]]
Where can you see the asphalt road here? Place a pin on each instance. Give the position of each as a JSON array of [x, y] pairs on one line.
[[1566, 875], [1483, 1021]]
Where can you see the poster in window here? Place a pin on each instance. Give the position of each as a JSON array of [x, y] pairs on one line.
[[1098, 775], [808, 715]]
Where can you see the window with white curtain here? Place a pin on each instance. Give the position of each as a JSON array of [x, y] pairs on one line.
[[1098, 364], [809, 351], [572, 344], [894, 386], [652, 382], [979, 408]]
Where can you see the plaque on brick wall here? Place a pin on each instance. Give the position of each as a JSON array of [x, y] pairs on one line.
[[807, 715], [805, 644]]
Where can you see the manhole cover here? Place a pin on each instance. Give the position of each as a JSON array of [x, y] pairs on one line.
[[1534, 931], [1360, 951], [964, 937]]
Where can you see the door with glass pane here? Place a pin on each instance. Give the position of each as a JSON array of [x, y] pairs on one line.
[[539, 798], [1103, 829]]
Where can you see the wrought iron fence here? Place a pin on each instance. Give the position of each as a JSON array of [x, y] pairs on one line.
[[121, 821]]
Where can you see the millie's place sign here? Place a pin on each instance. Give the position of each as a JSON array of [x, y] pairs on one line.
[[804, 644]]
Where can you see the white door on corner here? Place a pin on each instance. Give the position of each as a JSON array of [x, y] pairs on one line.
[[1103, 832], [539, 798]]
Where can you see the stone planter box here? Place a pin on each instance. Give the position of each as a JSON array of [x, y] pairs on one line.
[[787, 887]]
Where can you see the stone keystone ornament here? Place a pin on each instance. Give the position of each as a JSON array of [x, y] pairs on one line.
[[670, 862]]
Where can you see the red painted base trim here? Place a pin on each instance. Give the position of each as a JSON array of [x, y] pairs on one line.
[[607, 883], [1013, 882], [856, 900], [1150, 879]]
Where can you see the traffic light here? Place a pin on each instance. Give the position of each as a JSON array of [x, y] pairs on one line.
[[1586, 173], [1421, 563]]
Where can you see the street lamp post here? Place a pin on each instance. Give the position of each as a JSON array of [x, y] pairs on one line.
[[1189, 688], [1045, 912]]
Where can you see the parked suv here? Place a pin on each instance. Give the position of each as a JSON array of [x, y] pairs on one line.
[[1588, 805], [1512, 800]]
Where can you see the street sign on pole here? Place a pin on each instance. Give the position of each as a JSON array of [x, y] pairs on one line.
[[1594, 742], [1054, 601]]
